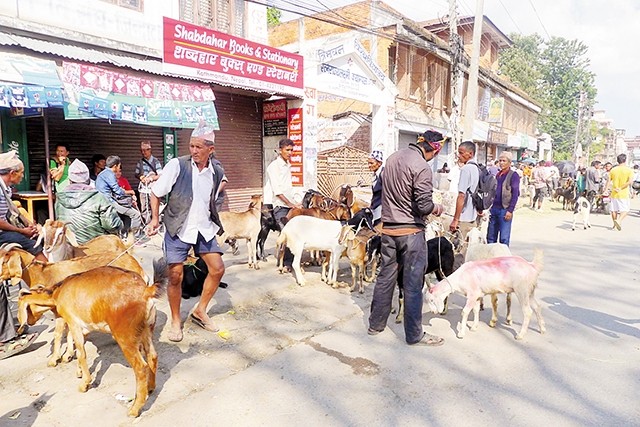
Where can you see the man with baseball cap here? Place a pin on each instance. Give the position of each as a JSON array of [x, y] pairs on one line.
[[406, 201]]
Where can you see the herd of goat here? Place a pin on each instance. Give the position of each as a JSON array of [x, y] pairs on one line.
[[72, 284]]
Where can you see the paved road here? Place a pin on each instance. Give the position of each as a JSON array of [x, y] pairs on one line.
[[301, 356]]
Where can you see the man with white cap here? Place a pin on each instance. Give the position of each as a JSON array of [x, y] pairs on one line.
[[191, 221], [87, 212], [375, 166], [13, 229]]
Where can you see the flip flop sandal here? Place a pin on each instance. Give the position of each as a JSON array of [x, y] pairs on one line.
[[205, 326], [430, 341], [16, 345], [175, 336]]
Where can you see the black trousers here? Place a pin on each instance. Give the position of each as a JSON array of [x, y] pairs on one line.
[[403, 258], [280, 214], [7, 325]]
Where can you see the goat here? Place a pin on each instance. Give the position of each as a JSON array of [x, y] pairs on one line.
[[478, 248], [16, 264], [244, 225], [475, 279], [440, 260], [123, 306], [267, 223], [356, 251], [339, 212], [582, 209], [306, 232], [57, 247]]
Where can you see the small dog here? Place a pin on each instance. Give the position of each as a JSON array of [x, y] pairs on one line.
[[582, 209], [531, 190]]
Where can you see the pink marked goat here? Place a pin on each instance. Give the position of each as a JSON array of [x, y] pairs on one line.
[[475, 279]]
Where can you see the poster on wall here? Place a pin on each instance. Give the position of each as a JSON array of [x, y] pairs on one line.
[[295, 134], [274, 117]]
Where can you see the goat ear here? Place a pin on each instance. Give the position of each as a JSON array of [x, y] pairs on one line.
[[48, 222]]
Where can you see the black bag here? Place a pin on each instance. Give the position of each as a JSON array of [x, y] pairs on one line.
[[125, 200], [193, 278], [485, 192]]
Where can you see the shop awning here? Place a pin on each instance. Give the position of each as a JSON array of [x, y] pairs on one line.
[[27, 82], [114, 94]]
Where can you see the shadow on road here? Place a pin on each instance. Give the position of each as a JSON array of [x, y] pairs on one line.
[[606, 324]]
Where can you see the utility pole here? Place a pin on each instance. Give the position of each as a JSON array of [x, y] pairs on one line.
[[472, 86], [581, 108], [456, 48]]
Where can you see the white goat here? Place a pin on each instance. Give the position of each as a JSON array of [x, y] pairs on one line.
[[306, 232], [496, 275], [582, 209], [244, 225]]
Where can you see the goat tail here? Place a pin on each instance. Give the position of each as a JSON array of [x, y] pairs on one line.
[[160, 278], [538, 259]]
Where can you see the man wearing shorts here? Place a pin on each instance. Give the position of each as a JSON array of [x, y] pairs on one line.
[[620, 179], [191, 221]]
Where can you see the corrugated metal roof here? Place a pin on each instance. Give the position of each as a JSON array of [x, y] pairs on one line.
[[97, 56], [82, 54]]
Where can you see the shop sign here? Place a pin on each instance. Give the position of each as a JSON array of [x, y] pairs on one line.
[[207, 54], [274, 117], [295, 134], [496, 137], [496, 110], [135, 97]]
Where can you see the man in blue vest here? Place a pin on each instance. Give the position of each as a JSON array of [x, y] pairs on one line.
[[191, 221]]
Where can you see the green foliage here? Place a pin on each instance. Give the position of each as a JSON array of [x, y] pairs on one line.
[[553, 72], [273, 16]]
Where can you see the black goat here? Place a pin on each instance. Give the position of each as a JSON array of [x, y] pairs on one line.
[[267, 223], [440, 258]]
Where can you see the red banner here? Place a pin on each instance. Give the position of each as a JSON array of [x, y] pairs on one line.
[[201, 52], [295, 134]]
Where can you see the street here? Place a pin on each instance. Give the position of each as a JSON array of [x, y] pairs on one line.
[[301, 356]]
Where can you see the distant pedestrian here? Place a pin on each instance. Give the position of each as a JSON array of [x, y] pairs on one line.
[[148, 170], [540, 176], [375, 166], [59, 167], [621, 178], [504, 204]]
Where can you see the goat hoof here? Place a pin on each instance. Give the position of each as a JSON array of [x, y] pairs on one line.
[[508, 322], [473, 328], [83, 387], [519, 337], [52, 363], [256, 266], [460, 335], [492, 323], [398, 320], [134, 413], [361, 291]]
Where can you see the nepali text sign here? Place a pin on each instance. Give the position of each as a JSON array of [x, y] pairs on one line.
[[274, 117], [295, 134], [207, 54]]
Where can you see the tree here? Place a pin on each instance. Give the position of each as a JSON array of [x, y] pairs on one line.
[[273, 16], [554, 73]]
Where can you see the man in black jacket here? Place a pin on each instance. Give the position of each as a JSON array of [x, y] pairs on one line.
[[406, 201]]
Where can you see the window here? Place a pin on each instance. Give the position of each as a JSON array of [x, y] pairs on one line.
[[137, 5], [226, 16]]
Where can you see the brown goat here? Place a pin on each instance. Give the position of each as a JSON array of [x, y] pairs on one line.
[[57, 247], [244, 225], [356, 251], [123, 306], [337, 213]]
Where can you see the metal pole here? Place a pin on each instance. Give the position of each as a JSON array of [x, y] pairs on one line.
[[472, 86], [455, 46], [47, 155]]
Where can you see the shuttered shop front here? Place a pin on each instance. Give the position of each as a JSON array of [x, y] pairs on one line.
[[88, 137], [238, 146]]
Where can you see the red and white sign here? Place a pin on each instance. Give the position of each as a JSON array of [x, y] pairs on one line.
[[295, 134], [200, 52]]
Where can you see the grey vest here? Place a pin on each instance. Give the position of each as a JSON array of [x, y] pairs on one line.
[[506, 190], [181, 198]]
